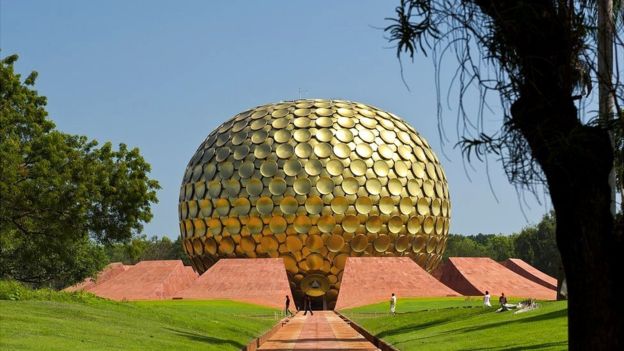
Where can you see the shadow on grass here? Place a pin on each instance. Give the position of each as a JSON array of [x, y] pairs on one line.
[[206, 339], [563, 344], [408, 328]]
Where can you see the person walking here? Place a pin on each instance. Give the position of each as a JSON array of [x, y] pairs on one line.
[[307, 305], [287, 308], [393, 301], [486, 299]]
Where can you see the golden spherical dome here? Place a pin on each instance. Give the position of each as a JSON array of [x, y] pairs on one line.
[[314, 182]]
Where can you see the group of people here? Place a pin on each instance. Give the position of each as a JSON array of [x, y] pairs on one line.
[[307, 306], [502, 300]]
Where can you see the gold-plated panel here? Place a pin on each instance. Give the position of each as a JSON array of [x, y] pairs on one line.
[[382, 243], [277, 186], [314, 182]]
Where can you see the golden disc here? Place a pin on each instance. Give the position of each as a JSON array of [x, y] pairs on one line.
[[364, 150], [395, 224], [401, 168], [322, 150], [277, 186], [373, 186], [363, 205], [350, 223], [277, 225], [346, 112], [339, 205], [192, 212], [323, 113], [382, 243], [226, 246], [326, 224], [359, 243], [222, 206], [289, 205], [314, 261], [254, 225], [303, 150], [314, 243], [381, 168], [214, 226], [290, 263], [283, 122], [402, 243], [222, 153], [313, 167], [264, 205], [302, 186], [205, 207], [385, 151], [341, 151], [214, 188], [241, 151], [439, 227], [386, 205], [302, 135], [254, 187], [334, 167], [358, 167], [436, 205], [259, 136], [262, 151], [325, 185], [373, 224], [406, 206], [210, 246], [428, 187], [423, 206], [232, 225], [246, 170], [366, 135], [302, 224], [431, 244], [350, 185], [335, 243], [324, 135], [314, 205], [241, 206], [247, 244], [413, 225], [293, 243], [232, 187], [340, 260], [284, 151], [428, 225], [395, 186], [344, 135], [269, 243]]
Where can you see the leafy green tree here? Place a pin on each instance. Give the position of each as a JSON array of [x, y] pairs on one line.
[[463, 246], [61, 196], [141, 248], [537, 246]]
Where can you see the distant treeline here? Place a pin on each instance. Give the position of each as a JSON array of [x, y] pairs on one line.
[[142, 248], [535, 245]]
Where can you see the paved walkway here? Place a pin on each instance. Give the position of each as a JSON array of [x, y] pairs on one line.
[[325, 330]]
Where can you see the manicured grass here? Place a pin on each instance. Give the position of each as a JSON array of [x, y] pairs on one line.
[[97, 324], [463, 324]]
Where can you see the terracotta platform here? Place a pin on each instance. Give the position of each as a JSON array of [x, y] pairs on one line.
[[368, 280], [261, 281], [325, 330], [109, 272], [526, 270], [147, 280], [472, 276]]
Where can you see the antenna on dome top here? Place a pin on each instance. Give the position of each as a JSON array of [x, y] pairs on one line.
[[301, 91]]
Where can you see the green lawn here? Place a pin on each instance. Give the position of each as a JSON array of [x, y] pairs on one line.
[[96, 324], [463, 324]]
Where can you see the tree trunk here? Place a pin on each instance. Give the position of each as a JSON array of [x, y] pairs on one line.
[[576, 160]]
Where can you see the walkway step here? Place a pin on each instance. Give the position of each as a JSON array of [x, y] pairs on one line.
[[324, 330]]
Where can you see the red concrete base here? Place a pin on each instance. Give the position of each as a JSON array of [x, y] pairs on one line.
[[368, 280], [109, 272], [531, 273], [261, 281], [472, 276], [147, 280]]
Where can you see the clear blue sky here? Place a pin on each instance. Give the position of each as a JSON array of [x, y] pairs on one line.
[[160, 75]]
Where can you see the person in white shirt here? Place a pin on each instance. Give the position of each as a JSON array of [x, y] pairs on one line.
[[486, 299], [393, 301]]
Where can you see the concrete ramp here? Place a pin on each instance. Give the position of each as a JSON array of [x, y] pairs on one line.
[[147, 280], [109, 272], [531, 273], [261, 281], [472, 276], [368, 280]]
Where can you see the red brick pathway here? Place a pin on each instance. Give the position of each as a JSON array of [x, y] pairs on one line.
[[325, 330]]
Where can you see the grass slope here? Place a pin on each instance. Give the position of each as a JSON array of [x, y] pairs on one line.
[[463, 324], [96, 324]]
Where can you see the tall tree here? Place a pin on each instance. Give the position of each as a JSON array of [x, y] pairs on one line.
[[539, 57], [61, 196]]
